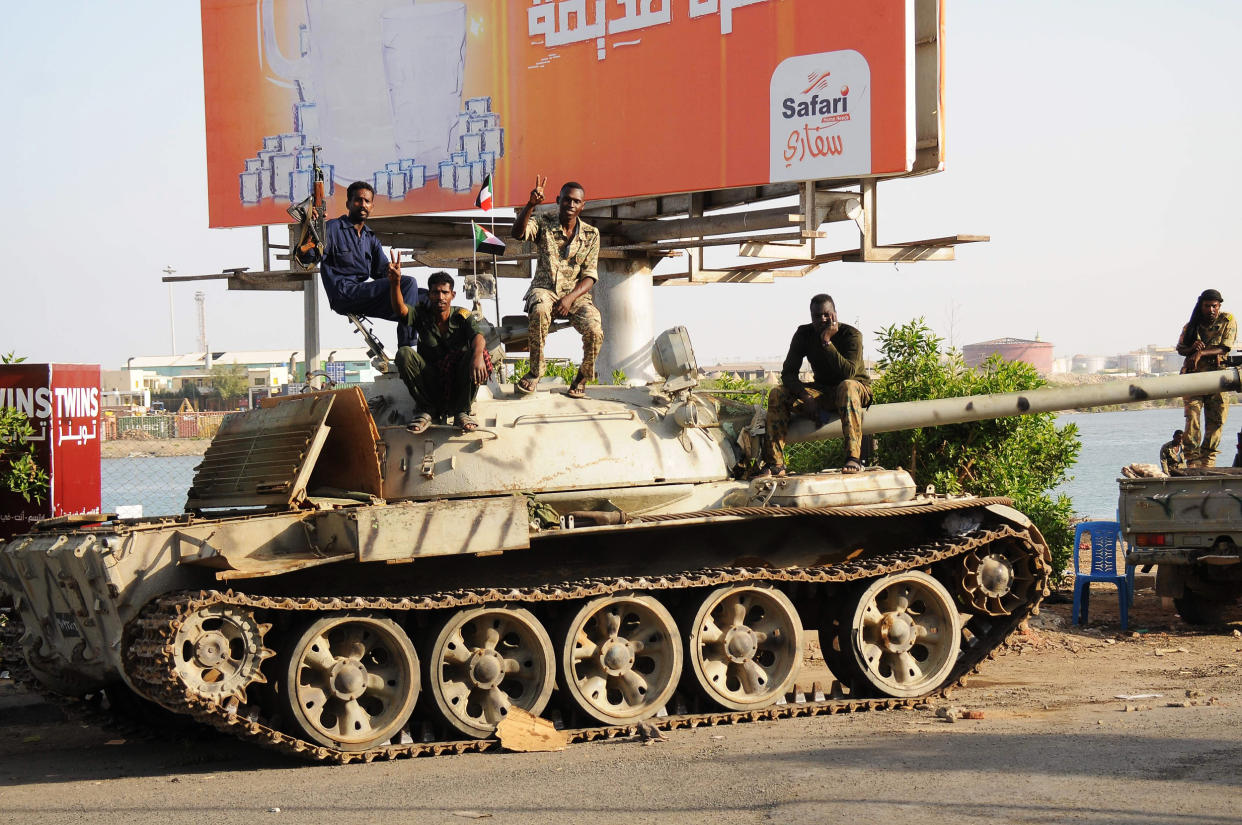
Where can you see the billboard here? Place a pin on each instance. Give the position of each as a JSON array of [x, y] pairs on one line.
[[630, 97], [61, 401]]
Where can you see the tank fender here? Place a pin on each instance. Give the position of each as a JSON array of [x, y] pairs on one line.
[[408, 530], [1009, 514]]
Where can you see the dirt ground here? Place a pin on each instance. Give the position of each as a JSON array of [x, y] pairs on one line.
[[1058, 741]]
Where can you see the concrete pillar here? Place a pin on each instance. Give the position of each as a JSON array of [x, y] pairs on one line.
[[623, 296], [310, 311]]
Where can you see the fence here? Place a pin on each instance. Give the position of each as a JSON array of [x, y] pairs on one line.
[[142, 478]]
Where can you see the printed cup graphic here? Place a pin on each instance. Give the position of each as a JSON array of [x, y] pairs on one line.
[[424, 59], [340, 69]]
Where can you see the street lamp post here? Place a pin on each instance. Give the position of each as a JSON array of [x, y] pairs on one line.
[[172, 326]]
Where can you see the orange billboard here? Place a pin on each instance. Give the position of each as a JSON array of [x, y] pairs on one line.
[[629, 97]]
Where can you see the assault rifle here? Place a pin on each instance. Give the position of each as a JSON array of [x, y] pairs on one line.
[[309, 215]]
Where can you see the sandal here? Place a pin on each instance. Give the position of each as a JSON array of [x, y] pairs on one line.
[[420, 424], [466, 422], [852, 465], [578, 388], [526, 385], [771, 472]]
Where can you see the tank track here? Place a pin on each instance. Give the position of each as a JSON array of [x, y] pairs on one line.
[[11, 658], [150, 654]]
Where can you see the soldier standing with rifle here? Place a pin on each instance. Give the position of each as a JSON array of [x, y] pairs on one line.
[[1205, 341]]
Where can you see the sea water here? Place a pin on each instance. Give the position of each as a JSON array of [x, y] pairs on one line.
[[1110, 441]]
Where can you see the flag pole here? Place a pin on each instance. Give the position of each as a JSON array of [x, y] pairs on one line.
[[495, 270]]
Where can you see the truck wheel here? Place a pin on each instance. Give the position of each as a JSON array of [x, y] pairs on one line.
[[1195, 608]]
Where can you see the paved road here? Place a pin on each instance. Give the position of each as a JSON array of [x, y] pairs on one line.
[[1054, 747]]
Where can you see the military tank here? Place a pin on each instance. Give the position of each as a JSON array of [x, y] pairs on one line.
[[342, 589]]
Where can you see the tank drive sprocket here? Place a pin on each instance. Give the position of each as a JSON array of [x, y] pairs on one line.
[[218, 652]]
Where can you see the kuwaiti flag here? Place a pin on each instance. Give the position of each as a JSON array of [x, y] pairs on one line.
[[484, 200], [486, 242]]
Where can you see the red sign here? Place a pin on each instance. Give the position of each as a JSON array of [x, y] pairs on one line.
[[61, 401]]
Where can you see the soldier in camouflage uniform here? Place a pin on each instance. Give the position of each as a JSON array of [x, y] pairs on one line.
[[1205, 340], [568, 250], [841, 385]]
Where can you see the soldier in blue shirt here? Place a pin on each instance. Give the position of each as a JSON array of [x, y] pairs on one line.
[[355, 270]]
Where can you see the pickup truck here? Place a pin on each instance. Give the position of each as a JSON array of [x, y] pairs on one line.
[[1190, 527]]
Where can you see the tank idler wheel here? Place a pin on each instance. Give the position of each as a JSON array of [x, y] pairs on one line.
[[487, 660], [745, 646], [994, 581], [621, 658], [904, 636], [350, 681], [218, 652]]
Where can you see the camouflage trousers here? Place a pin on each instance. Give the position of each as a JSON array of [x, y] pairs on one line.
[[584, 318], [849, 399], [1203, 441]]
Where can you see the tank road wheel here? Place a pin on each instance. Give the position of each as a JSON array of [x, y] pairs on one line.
[[350, 681], [218, 651], [485, 661], [904, 636], [621, 658], [745, 646], [994, 580]]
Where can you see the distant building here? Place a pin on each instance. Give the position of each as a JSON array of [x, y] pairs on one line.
[[268, 372], [1089, 363], [1036, 353]]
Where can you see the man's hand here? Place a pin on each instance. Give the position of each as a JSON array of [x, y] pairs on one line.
[[478, 369], [394, 267], [1198, 345], [562, 308], [830, 329], [810, 405], [536, 194]]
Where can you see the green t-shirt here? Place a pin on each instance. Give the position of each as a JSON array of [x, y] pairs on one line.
[[434, 345]]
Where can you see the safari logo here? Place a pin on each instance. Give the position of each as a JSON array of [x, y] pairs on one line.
[[820, 116]]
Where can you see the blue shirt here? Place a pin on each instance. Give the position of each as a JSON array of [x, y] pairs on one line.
[[350, 258]]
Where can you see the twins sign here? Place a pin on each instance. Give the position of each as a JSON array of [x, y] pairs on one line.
[[820, 117]]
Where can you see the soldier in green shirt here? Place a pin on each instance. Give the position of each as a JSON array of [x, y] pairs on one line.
[[1172, 455], [444, 374], [841, 385]]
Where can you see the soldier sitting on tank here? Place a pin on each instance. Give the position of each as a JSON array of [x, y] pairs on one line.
[[840, 385], [354, 266], [568, 250], [444, 374], [1172, 453], [1205, 340]]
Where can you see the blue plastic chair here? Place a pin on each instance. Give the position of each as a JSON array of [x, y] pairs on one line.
[[1105, 540]]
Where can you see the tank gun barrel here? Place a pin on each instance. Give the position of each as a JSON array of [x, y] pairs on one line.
[[909, 415]]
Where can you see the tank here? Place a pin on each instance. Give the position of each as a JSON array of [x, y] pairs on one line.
[[341, 589]]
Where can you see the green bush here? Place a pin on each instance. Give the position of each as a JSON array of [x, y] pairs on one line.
[[567, 371], [19, 473]]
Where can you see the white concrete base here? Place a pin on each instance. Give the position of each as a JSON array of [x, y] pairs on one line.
[[624, 298]]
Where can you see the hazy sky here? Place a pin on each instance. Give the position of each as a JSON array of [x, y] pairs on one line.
[[1096, 142]]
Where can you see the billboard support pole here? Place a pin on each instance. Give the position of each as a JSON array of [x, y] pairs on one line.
[[624, 298], [311, 354]]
